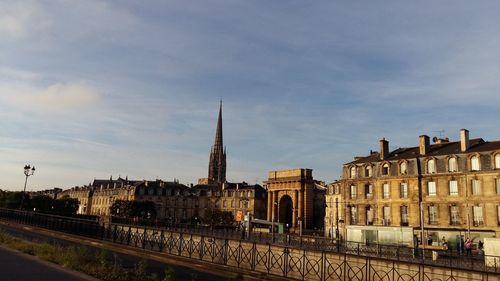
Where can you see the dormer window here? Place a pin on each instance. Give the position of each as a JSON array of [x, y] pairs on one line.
[[497, 161], [431, 166], [474, 163], [403, 168], [352, 172], [452, 164], [368, 171], [385, 169]]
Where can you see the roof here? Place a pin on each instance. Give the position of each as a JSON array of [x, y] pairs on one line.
[[447, 148]]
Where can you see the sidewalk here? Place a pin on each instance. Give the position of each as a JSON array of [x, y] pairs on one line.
[[17, 266]]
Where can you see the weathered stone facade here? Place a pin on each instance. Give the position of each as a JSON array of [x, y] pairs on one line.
[[173, 201], [295, 197], [456, 185]]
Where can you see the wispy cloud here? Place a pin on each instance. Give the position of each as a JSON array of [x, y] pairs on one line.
[[21, 18], [57, 98], [92, 88]]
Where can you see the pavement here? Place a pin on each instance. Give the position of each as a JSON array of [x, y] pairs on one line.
[[17, 266]]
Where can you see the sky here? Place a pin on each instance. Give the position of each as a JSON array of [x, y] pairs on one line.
[[93, 89]]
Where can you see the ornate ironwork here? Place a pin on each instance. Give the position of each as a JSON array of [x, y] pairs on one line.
[[290, 257]]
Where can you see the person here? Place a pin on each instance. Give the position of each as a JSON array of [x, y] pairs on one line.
[[468, 246], [480, 247], [416, 243], [461, 245], [444, 243], [429, 240]]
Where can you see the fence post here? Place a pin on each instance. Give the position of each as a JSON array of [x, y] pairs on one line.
[[129, 234], [254, 251], [202, 246], [114, 233], [160, 246], [226, 248], [144, 238]]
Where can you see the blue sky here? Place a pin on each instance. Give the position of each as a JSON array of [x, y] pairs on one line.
[[90, 89]]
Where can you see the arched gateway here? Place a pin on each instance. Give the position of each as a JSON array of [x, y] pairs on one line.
[[291, 194]]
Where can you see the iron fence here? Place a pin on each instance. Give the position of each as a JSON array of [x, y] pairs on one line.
[[281, 255]]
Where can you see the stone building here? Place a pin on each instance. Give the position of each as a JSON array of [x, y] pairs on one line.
[[334, 213], [178, 203], [449, 188], [295, 199]]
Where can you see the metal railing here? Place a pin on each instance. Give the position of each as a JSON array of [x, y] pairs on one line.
[[301, 258]]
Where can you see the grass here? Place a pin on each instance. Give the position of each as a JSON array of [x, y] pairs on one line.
[[101, 266]]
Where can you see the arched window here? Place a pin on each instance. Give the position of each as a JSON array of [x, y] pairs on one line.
[[368, 171], [452, 164], [474, 163], [403, 168], [431, 166], [385, 169], [497, 161], [352, 172]]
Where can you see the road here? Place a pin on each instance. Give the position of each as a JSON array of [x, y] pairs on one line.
[[16, 266], [127, 261]]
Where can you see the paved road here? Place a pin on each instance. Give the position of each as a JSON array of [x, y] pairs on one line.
[[127, 261], [16, 266]]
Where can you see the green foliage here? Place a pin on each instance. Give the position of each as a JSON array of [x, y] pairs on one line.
[[217, 217], [40, 203], [10, 199], [133, 209], [78, 258], [169, 274]]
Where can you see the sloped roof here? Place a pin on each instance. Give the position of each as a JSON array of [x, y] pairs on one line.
[[447, 148]]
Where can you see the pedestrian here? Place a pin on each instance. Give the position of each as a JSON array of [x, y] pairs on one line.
[[457, 244], [416, 243], [462, 245], [468, 247], [429, 240], [480, 245], [444, 243]]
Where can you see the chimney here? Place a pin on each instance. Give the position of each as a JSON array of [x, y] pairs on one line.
[[384, 149], [424, 144], [464, 140]]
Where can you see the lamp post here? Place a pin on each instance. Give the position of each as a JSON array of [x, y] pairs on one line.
[[272, 220], [422, 228], [28, 171], [337, 218]]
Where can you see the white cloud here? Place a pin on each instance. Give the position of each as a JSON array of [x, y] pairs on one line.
[[19, 18], [57, 98]]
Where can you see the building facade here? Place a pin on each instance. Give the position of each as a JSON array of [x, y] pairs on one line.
[[449, 189], [295, 199]]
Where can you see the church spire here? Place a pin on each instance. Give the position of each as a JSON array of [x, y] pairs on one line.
[[217, 162]]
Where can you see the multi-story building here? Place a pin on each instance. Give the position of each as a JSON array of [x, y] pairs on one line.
[[176, 202], [334, 213], [446, 188]]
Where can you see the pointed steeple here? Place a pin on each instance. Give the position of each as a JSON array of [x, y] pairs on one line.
[[218, 132], [217, 164]]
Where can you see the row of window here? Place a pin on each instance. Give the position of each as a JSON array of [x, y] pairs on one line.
[[243, 204], [430, 166], [432, 218], [431, 189]]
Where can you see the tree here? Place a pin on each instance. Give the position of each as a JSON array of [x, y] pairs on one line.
[[133, 209], [217, 217]]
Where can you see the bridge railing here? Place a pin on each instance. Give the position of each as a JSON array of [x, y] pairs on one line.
[[283, 255]]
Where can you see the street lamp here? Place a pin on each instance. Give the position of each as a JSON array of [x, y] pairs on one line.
[[28, 171], [272, 220]]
